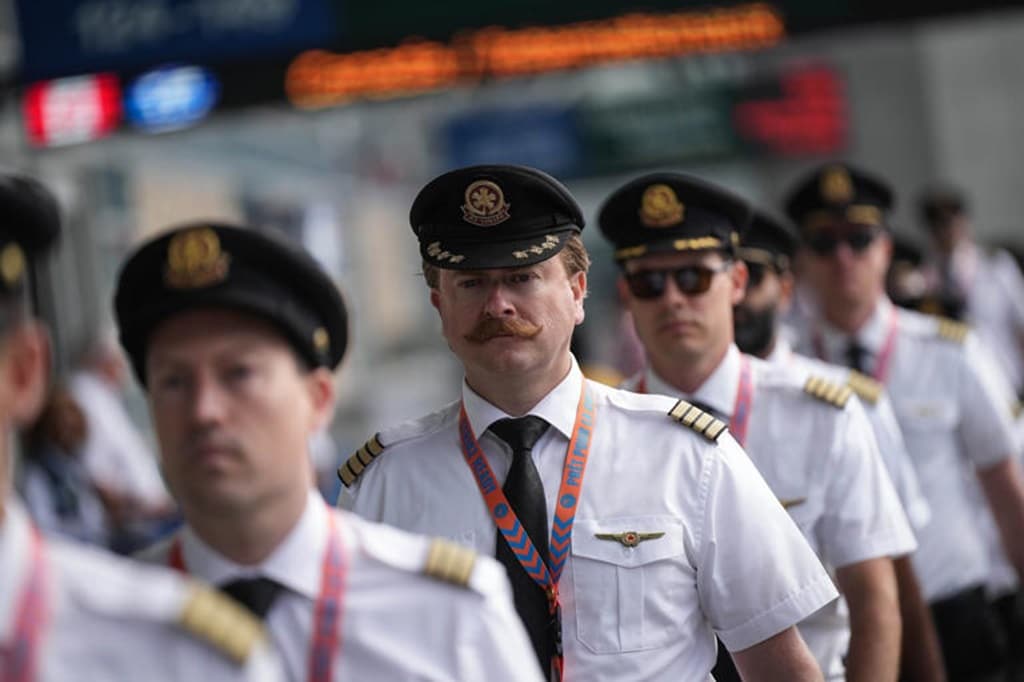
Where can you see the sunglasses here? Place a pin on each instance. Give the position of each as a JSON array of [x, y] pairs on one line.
[[689, 279], [825, 243]]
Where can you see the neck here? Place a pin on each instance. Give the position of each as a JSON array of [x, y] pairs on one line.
[[689, 374], [517, 394], [770, 348], [248, 536], [847, 317]]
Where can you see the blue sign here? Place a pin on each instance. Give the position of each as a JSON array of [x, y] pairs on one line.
[[66, 37], [545, 137], [170, 98]]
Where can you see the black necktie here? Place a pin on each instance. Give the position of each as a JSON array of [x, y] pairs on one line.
[[857, 356], [255, 594], [525, 494]]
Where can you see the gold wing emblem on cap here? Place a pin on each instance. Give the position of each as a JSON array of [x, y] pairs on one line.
[[630, 538], [485, 204], [836, 186], [660, 207], [195, 259], [12, 264]]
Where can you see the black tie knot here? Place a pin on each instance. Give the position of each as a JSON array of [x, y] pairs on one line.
[[857, 356], [521, 433], [256, 594]]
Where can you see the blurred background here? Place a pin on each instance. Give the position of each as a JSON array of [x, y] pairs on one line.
[[323, 118]]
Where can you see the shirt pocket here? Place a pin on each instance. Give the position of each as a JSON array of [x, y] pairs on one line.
[[629, 598], [927, 418]]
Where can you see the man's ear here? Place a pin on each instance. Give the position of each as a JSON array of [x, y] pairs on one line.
[[320, 383], [578, 284], [26, 371], [739, 274]]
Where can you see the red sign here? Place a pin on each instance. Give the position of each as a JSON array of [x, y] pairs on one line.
[[806, 114], [72, 110]]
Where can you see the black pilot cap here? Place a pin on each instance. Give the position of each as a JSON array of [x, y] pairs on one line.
[[204, 265], [497, 216]]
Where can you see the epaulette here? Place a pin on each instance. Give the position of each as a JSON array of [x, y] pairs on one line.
[[834, 394], [866, 388], [216, 619], [449, 562], [951, 330], [354, 465], [698, 420]]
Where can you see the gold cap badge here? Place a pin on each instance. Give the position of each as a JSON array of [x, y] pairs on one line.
[[485, 204], [836, 186], [12, 264], [321, 340], [660, 207], [195, 259]]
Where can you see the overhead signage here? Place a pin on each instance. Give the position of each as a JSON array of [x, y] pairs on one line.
[[72, 110], [171, 98]]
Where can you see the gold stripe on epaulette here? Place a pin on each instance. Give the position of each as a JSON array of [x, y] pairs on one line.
[[833, 394], [218, 620], [866, 388], [354, 465], [450, 562], [698, 420], [951, 330]]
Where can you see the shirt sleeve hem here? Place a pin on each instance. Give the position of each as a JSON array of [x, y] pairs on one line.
[[786, 613]]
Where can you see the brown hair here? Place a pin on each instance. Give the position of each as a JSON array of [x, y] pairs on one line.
[[574, 255]]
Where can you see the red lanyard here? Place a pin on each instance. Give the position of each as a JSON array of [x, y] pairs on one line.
[[741, 407], [19, 662], [744, 397], [565, 511], [881, 372], [327, 612]]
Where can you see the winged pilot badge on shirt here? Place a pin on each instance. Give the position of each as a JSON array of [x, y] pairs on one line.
[[630, 538]]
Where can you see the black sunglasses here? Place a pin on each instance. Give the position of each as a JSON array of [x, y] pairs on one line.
[[755, 273], [689, 279], [825, 243]]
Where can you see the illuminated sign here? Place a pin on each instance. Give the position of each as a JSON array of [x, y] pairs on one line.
[[320, 78], [171, 98], [65, 37], [72, 110], [801, 113]]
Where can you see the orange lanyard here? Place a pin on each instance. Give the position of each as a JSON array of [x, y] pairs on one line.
[[565, 510]]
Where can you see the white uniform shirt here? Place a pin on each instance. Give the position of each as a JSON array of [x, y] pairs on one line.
[[994, 289], [397, 623], [823, 464], [115, 453], [730, 561], [112, 619], [883, 423], [954, 419]]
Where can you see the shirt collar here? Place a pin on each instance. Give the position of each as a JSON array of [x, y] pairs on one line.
[[558, 407], [295, 563], [871, 335], [781, 352], [718, 391]]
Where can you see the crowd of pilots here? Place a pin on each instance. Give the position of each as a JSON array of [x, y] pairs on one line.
[[816, 475]]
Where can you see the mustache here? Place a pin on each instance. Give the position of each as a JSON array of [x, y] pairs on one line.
[[492, 327], [204, 439]]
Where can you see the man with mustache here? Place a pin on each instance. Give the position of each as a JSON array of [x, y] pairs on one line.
[[675, 238], [234, 335], [768, 247], [950, 404], [613, 513], [70, 612]]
